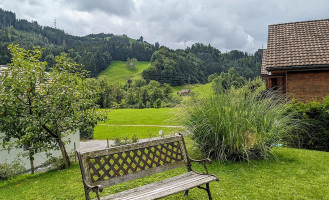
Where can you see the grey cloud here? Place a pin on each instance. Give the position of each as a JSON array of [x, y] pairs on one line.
[[31, 2], [227, 25], [111, 7], [189, 21]]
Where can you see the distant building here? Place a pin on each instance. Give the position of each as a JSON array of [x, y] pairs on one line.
[[296, 61], [2, 67], [184, 92]]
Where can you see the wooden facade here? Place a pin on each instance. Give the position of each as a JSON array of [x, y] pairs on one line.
[[296, 61], [302, 85]]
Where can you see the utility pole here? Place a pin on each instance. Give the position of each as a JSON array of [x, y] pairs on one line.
[[55, 23], [189, 81]]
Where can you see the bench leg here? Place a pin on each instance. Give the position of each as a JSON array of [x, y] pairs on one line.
[[186, 192], [208, 191], [87, 195]]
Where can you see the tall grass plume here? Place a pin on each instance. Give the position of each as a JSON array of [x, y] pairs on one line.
[[241, 124]]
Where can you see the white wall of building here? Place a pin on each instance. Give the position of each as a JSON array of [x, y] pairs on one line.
[[41, 157]]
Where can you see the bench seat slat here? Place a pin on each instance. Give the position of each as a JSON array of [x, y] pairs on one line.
[[163, 188]]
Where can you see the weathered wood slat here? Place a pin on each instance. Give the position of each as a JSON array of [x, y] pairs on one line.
[[134, 161], [164, 188], [128, 147], [140, 174]]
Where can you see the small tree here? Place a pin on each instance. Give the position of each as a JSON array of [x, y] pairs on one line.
[[40, 108], [227, 80], [131, 63]]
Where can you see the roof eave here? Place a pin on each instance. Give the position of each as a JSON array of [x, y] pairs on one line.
[[290, 68]]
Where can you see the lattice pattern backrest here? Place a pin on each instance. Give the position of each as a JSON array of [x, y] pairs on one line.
[[134, 161]]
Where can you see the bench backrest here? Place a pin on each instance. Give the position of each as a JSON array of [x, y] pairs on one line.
[[119, 164]]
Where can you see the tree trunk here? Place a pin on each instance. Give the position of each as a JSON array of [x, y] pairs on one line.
[[31, 156], [66, 158]]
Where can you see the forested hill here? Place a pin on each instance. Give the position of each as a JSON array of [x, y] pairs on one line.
[[95, 51], [196, 63]]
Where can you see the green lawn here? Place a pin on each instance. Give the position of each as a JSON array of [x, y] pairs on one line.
[[148, 123], [295, 174], [117, 72], [103, 132]]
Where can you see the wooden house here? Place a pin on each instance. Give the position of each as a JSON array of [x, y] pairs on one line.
[[184, 92], [296, 61]]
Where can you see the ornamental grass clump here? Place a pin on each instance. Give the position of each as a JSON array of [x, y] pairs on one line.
[[237, 125]]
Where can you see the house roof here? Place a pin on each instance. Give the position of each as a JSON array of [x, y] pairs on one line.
[[185, 90], [297, 44]]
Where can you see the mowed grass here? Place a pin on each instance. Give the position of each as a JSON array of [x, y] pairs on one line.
[[104, 132], [295, 174], [144, 123], [117, 72]]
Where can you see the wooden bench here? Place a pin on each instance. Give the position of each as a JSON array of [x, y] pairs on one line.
[[111, 166]]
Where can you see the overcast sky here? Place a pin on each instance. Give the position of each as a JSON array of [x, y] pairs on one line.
[[225, 24]]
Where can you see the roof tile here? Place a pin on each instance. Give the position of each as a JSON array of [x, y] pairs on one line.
[[297, 44]]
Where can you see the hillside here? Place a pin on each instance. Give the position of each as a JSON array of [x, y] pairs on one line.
[[95, 51], [117, 72], [194, 64]]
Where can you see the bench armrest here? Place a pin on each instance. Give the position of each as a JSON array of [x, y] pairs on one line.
[[95, 188], [203, 162]]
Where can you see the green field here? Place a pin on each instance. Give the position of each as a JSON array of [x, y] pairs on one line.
[[117, 72], [144, 123], [204, 89], [198, 89], [295, 174]]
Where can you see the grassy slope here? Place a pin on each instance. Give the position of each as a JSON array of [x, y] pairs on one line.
[[152, 116], [199, 89], [204, 89], [296, 174], [117, 71]]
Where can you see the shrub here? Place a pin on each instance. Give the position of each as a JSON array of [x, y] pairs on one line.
[[9, 170], [87, 132], [237, 125], [119, 142], [315, 117], [227, 80], [157, 103], [57, 162]]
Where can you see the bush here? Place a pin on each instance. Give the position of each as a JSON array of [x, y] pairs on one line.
[[57, 162], [9, 170], [237, 125], [225, 81], [125, 141], [87, 132], [157, 103], [315, 117]]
